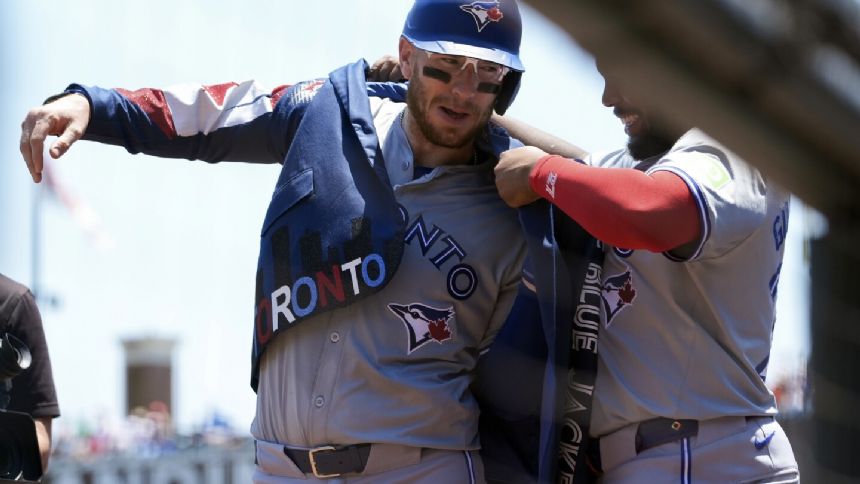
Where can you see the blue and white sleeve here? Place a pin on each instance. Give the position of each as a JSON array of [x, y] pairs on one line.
[[223, 122]]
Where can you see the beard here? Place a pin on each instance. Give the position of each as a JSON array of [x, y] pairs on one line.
[[416, 98], [649, 144], [646, 137]]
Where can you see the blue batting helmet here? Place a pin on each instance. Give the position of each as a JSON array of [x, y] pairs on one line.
[[487, 30]]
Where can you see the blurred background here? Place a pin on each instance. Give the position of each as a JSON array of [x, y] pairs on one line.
[[144, 267]]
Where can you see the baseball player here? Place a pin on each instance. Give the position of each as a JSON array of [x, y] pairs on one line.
[[694, 245], [381, 275]]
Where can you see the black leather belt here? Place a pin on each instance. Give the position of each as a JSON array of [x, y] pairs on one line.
[[661, 430], [651, 433], [329, 460]]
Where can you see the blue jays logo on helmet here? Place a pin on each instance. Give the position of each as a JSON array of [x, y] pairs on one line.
[[443, 27], [617, 293], [484, 12], [423, 323]]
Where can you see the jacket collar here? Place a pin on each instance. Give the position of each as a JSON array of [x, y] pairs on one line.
[[350, 88]]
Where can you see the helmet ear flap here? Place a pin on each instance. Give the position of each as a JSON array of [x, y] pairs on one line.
[[510, 87]]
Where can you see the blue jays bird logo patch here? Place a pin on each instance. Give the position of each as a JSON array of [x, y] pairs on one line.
[[424, 323], [617, 293], [483, 12]]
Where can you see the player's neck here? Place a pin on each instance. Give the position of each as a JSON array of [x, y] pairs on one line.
[[428, 154]]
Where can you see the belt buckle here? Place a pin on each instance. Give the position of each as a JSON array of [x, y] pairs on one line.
[[312, 453]]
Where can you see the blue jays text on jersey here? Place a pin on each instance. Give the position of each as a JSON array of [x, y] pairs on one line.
[[462, 278], [780, 227]]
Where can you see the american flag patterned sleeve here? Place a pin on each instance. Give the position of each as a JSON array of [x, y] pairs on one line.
[[222, 122]]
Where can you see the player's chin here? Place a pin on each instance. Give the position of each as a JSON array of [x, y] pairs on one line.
[[454, 138], [457, 136]]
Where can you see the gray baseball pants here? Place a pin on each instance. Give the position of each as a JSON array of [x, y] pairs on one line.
[[727, 449], [386, 464]]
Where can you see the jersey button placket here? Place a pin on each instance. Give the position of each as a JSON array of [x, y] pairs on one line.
[[326, 381]]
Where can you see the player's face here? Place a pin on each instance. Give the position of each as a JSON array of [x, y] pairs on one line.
[[449, 114], [643, 140]]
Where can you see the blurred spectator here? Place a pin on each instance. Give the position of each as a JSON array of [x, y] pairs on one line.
[[790, 391], [146, 433]]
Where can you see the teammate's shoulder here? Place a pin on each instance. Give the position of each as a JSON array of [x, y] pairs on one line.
[[614, 158], [697, 141]]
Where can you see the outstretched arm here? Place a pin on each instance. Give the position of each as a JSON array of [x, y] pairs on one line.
[[237, 122]]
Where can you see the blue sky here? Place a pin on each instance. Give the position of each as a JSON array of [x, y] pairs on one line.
[[178, 239]]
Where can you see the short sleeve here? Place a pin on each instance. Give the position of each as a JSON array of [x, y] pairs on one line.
[[730, 195], [33, 390]]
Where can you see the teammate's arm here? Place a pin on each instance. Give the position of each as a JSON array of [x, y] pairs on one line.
[[620, 206], [386, 69], [531, 136]]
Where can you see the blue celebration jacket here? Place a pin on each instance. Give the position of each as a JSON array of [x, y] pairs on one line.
[[523, 379]]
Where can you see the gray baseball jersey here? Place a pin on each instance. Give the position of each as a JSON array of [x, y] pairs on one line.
[[396, 367], [689, 335]]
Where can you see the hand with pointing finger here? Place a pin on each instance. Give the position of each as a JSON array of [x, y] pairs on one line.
[[66, 117]]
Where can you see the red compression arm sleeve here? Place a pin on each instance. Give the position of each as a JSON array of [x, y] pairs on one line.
[[623, 207]]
